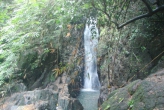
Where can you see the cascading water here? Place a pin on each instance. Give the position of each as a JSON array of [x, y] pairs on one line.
[[90, 93], [91, 80]]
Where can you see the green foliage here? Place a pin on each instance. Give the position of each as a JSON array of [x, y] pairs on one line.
[[31, 29], [130, 46], [143, 48], [3, 13], [38, 26], [30, 25], [131, 103], [107, 107]]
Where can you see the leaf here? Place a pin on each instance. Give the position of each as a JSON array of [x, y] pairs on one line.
[[107, 107], [121, 99], [68, 34], [69, 27], [52, 50], [50, 21], [86, 6]]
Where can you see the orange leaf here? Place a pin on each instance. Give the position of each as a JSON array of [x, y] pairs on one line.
[[52, 50], [68, 34], [69, 26]]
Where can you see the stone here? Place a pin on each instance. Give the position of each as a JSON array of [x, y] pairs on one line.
[[66, 103], [147, 94], [38, 99]]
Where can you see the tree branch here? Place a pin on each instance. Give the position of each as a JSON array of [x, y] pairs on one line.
[[104, 11], [96, 7], [150, 13], [147, 5], [104, 2]]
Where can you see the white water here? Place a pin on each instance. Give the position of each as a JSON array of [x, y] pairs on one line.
[[90, 93], [91, 80]]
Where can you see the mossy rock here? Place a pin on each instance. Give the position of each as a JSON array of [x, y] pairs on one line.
[[138, 95]]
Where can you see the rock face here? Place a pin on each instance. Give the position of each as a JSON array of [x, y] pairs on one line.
[[65, 101], [31, 100], [147, 94], [69, 104], [54, 91], [54, 97]]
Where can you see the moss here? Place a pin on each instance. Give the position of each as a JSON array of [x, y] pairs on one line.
[[112, 94], [141, 96], [131, 88], [117, 100], [138, 95], [120, 99]]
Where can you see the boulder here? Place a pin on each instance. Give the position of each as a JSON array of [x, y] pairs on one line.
[[31, 100], [9, 89], [66, 103], [147, 94]]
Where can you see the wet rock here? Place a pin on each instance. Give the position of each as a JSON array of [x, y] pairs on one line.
[[66, 103]]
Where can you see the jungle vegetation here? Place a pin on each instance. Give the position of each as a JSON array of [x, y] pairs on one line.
[[31, 29]]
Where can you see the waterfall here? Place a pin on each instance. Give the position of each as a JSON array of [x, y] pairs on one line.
[[91, 80], [90, 93]]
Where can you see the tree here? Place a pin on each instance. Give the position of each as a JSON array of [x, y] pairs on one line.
[[32, 29], [105, 5]]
